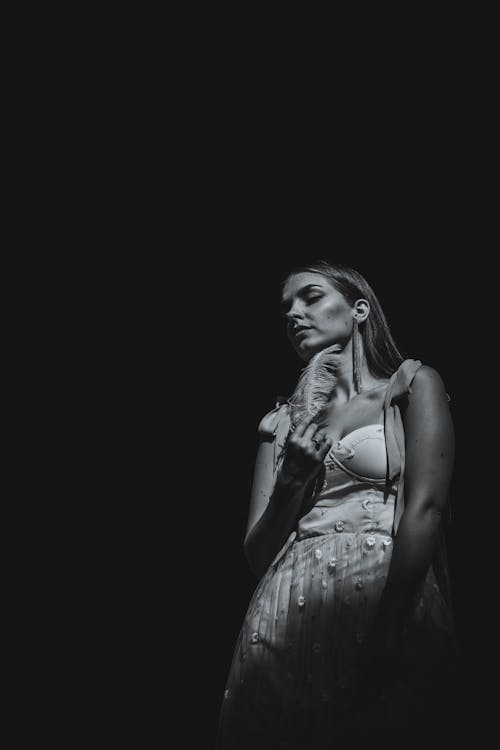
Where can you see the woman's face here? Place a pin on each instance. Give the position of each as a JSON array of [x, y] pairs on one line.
[[316, 314]]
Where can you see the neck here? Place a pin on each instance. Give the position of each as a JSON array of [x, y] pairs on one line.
[[345, 389]]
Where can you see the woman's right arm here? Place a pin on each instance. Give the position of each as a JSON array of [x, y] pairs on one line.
[[273, 512], [275, 503]]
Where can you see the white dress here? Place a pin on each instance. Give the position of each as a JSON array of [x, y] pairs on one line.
[[303, 633]]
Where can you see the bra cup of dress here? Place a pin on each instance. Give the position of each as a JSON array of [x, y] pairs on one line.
[[363, 452]]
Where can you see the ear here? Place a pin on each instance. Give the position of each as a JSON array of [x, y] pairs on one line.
[[361, 310]]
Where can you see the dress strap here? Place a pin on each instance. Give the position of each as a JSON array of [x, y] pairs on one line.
[[398, 387]]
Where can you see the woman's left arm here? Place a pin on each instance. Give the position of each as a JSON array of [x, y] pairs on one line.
[[430, 448]]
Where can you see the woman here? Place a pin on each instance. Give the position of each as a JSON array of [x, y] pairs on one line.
[[349, 635]]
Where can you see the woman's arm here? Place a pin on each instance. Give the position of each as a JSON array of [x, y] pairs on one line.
[[429, 448], [275, 505], [273, 511]]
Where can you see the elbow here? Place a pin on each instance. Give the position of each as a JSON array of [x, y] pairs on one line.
[[257, 570], [252, 556], [427, 511]]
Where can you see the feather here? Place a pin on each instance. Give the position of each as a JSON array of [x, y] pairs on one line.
[[315, 385]]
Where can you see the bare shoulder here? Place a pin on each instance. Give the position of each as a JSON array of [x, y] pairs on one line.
[[427, 400], [427, 383], [271, 422], [428, 426]]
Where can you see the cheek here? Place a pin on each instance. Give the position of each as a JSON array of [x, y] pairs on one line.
[[338, 315]]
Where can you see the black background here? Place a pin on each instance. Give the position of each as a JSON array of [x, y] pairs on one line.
[[190, 203]]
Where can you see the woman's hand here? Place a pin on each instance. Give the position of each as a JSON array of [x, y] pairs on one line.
[[305, 451]]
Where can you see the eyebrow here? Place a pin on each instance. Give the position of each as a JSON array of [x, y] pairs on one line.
[[285, 304]]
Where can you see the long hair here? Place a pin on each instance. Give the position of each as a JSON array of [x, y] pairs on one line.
[[382, 355]]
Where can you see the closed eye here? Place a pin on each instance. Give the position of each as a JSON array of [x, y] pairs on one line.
[[308, 301]]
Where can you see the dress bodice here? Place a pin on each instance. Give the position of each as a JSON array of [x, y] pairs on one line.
[[351, 494]]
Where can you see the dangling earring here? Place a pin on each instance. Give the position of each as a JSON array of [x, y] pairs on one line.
[[356, 357]]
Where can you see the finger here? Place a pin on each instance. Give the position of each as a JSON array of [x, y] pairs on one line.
[[310, 432], [320, 436], [325, 448], [303, 424], [318, 440], [325, 445]]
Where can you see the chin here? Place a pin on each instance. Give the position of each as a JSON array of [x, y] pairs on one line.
[[307, 349]]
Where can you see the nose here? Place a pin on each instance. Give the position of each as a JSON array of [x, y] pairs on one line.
[[293, 316]]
